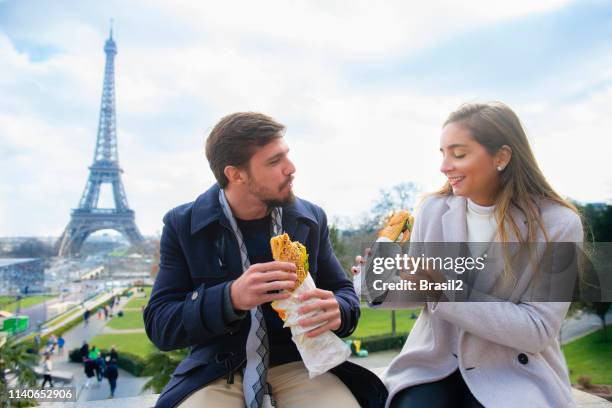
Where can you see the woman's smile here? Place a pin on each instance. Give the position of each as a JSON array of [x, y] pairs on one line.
[[455, 180]]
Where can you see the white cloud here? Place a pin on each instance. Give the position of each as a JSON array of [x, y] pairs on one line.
[[290, 60]]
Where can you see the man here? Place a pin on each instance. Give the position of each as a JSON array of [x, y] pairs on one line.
[[111, 373], [217, 278], [60, 345]]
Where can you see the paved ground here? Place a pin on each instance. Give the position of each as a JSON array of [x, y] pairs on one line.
[[581, 325], [40, 312], [375, 360], [127, 384], [108, 330]]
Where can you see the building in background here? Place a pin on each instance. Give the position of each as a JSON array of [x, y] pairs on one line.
[[21, 275]]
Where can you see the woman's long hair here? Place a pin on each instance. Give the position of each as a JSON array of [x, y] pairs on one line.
[[522, 183]]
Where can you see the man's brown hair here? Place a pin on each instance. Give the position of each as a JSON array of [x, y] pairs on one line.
[[233, 140]]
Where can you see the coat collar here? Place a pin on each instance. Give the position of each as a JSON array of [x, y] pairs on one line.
[[454, 221], [207, 209]]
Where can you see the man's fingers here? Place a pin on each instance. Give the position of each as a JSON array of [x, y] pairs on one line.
[[271, 266], [320, 317], [274, 276], [330, 325], [321, 304], [319, 330], [318, 293], [275, 285], [358, 259]]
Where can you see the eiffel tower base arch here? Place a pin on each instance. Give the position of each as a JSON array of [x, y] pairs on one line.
[[84, 223]]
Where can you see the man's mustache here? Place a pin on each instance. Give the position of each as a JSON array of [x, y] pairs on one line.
[[286, 183]]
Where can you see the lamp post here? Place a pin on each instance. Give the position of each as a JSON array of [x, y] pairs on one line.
[[18, 308]]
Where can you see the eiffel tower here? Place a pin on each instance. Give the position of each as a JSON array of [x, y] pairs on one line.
[[88, 218]]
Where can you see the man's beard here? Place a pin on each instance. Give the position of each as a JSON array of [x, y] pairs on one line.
[[272, 202]]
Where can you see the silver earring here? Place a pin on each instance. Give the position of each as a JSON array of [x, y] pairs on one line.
[[499, 168]]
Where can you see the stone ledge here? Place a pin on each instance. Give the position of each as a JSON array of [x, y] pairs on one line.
[[584, 400]]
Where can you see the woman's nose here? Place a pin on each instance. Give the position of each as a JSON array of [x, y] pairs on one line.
[[446, 165]]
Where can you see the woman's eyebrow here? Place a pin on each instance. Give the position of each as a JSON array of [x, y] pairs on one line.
[[454, 145]]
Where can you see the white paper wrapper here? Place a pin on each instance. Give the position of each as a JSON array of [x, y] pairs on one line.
[[321, 353]]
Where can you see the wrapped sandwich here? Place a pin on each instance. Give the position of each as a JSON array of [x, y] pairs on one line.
[[396, 224], [397, 228], [320, 353]]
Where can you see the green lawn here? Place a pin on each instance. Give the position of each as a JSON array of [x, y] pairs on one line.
[[135, 343], [377, 321], [137, 302], [5, 300], [590, 356], [129, 320], [25, 302]]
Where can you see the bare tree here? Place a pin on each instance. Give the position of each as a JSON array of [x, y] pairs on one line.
[[401, 196]]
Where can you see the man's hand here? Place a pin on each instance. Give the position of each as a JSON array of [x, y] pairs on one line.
[[330, 311], [253, 287]]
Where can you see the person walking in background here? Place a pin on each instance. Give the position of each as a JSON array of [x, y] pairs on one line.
[[60, 345], [89, 366], [100, 367], [47, 369], [111, 373], [99, 313], [94, 356], [93, 352], [105, 309], [51, 342], [86, 316], [84, 351], [113, 355]]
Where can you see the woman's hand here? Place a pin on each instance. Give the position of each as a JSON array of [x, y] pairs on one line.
[[360, 261]]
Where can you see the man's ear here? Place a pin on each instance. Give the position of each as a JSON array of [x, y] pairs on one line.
[[234, 174]]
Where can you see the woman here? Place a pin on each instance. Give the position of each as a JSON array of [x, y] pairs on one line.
[[493, 354], [47, 370]]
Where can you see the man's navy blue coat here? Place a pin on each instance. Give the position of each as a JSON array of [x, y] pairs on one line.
[[199, 255]]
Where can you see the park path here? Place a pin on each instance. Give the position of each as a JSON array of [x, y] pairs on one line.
[[127, 384], [581, 325], [108, 330]]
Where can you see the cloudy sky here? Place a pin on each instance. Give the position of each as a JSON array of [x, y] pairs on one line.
[[363, 88]]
